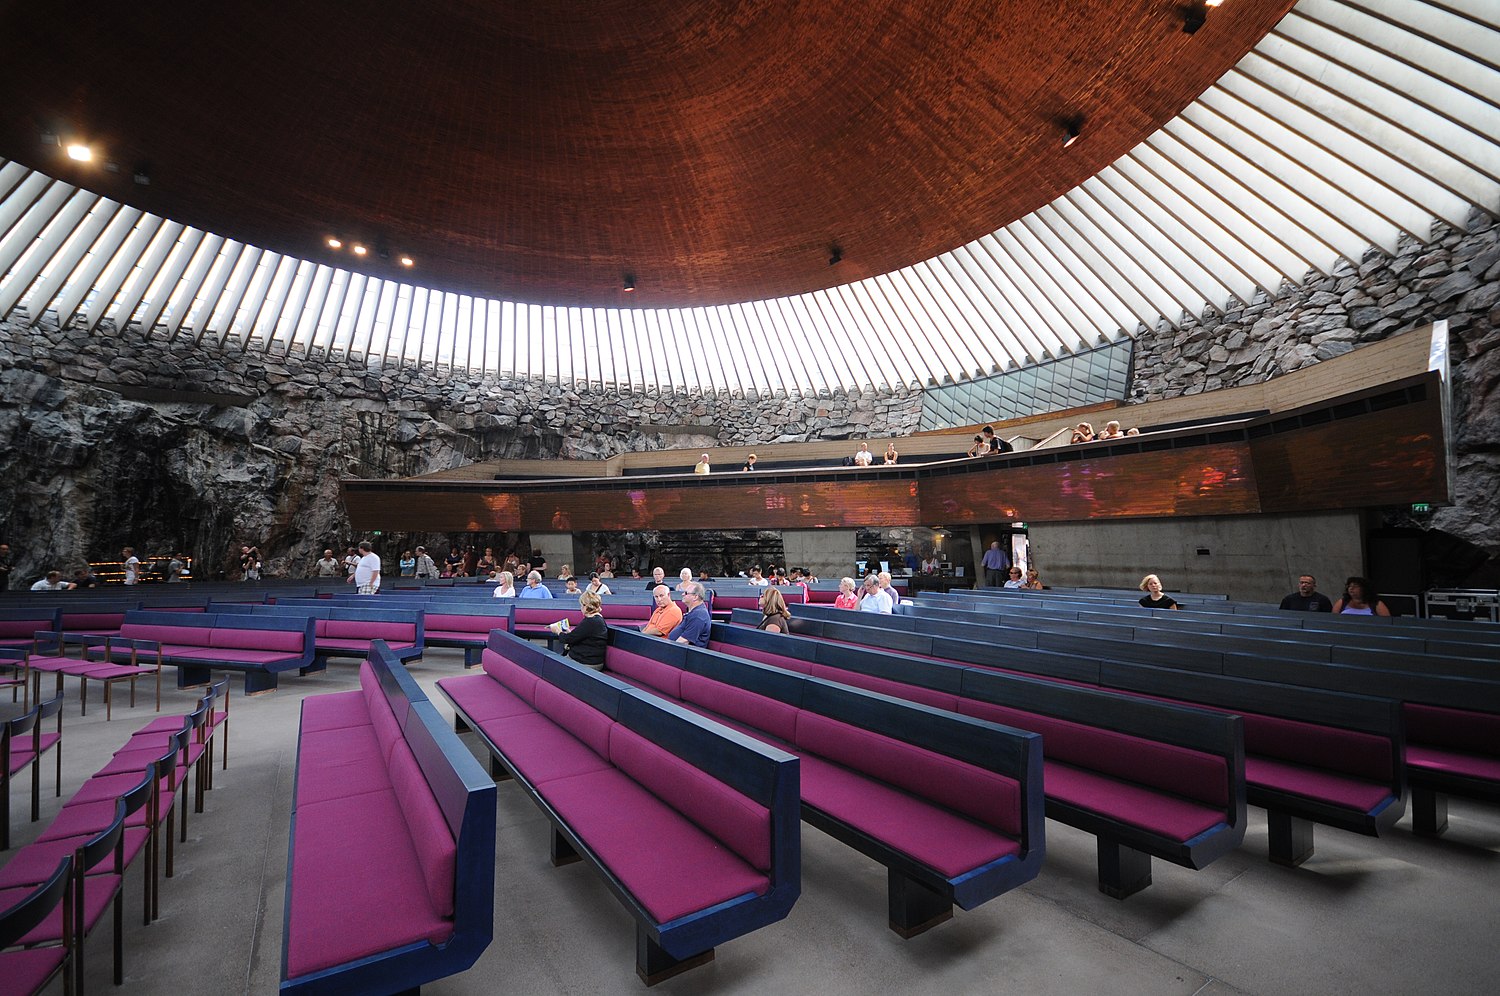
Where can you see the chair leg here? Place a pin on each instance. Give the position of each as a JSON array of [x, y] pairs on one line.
[[120, 935], [132, 692], [109, 701], [83, 694], [182, 793]]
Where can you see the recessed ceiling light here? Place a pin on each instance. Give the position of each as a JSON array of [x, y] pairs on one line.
[[360, 250], [406, 261], [80, 152], [335, 244]]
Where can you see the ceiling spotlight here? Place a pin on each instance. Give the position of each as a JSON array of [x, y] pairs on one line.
[[360, 250], [406, 261], [835, 255], [335, 243], [1071, 131], [1195, 15], [80, 152], [629, 283]]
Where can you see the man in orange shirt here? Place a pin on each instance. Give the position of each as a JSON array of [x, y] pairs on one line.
[[666, 616]]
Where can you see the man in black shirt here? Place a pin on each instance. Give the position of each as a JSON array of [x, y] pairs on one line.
[[1307, 598], [994, 443]]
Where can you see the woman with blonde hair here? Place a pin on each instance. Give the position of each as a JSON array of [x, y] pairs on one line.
[[587, 642], [1154, 598], [1083, 434], [846, 598], [774, 616], [507, 586]]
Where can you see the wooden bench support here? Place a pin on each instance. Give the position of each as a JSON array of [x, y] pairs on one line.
[[1429, 812], [1123, 871], [913, 907], [654, 965], [563, 851], [1291, 839]]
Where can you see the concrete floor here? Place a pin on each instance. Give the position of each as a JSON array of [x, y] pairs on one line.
[[1399, 914]]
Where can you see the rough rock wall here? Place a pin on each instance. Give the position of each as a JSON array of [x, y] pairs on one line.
[[107, 439], [1456, 277]]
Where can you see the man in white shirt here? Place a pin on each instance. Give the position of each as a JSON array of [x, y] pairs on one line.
[[874, 598], [132, 565], [864, 457], [367, 570], [53, 582]]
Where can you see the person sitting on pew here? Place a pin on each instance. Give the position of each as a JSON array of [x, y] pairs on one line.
[[773, 612], [862, 456], [666, 615], [1154, 597], [597, 585], [572, 587], [846, 598], [1015, 580], [587, 642], [507, 586], [696, 623], [1034, 580], [534, 587], [891, 456], [684, 578], [1360, 599], [1307, 597], [54, 582], [873, 598]]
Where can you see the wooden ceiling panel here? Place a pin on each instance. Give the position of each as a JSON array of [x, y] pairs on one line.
[[713, 149]]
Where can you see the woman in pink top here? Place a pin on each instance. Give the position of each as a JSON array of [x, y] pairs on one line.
[[846, 598]]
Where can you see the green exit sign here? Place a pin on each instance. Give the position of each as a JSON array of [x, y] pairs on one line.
[[1420, 508]]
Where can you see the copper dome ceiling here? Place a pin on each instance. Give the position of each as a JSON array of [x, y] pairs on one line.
[[716, 151]]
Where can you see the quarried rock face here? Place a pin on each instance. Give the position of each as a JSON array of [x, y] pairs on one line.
[[1455, 277], [112, 439]]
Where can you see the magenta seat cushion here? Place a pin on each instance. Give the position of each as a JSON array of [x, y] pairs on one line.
[[614, 611], [332, 711], [1190, 773], [231, 655], [1454, 729], [1364, 755], [360, 646], [513, 676], [357, 885], [578, 718], [1453, 763], [966, 788], [1341, 790], [462, 625], [18, 629], [455, 636], [1178, 819], [390, 632], [337, 764], [483, 698], [644, 670], [759, 711], [26, 971], [436, 850], [945, 841], [733, 818], [549, 615], [320, 628], [98, 893], [898, 689], [667, 863], [762, 657], [286, 641], [105, 787], [540, 750]]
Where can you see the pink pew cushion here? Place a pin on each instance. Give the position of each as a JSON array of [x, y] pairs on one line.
[[483, 698], [885, 686], [521, 682], [436, 850], [337, 764], [1454, 729], [284, 641], [947, 842], [350, 900], [762, 657], [1177, 819], [391, 632], [1449, 762], [758, 711], [1360, 796], [1363, 755], [463, 625], [192, 636], [667, 863], [578, 718], [540, 750], [644, 670], [738, 821], [362, 646], [965, 788]]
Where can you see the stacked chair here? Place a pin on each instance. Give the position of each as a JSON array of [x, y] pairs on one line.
[[126, 814]]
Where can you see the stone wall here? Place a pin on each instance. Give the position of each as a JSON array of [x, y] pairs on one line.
[[107, 439], [1456, 277]]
